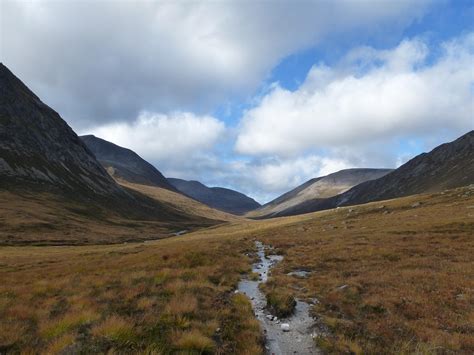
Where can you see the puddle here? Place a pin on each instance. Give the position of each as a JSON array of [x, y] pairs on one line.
[[299, 337]]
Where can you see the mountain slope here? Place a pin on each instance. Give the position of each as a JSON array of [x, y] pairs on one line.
[[181, 202], [123, 163], [52, 183], [216, 197], [38, 147], [316, 189], [447, 166]]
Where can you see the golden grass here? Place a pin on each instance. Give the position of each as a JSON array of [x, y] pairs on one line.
[[194, 341], [180, 202], [391, 279], [47, 219], [115, 328], [148, 297]]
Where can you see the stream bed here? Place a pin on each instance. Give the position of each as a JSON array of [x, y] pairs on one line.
[[292, 335]]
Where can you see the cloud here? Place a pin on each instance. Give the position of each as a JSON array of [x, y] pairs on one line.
[[263, 179], [160, 137], [104, 61], [277, 175], [369, 96]]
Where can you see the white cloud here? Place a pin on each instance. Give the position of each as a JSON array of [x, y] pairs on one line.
[[105, 61], [265, 179], [370, 95], [162, 137], [280, 174]]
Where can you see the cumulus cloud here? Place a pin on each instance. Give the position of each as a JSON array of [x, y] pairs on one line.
[[105, 61], [277, 175], [264, 179], [160, 137], [370, 95]]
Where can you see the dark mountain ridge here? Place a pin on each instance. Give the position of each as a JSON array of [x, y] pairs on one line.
[[220, 198], [38, 147], [125, 164], [41, 155]]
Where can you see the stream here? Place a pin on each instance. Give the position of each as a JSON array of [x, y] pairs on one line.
[[292, 335]]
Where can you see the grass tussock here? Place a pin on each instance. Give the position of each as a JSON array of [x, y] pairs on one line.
[[194, 341], [280, 302]]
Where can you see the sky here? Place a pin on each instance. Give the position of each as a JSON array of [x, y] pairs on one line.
[[257, 96]]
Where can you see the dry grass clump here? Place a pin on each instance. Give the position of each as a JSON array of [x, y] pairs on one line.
[[182, 305], [194, 341], [280, 302], [116, 329], [60, 344]]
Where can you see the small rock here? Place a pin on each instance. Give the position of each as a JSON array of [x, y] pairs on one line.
[[236, 291], [351, 210], [386, 212], [269, 317], [416, 204], [285, 327]]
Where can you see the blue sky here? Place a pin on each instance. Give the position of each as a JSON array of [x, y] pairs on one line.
[[255, 96]]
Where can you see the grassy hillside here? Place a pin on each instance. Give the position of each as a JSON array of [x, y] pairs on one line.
[[180, 202], [42, 218], [316, 189], [391, 277]]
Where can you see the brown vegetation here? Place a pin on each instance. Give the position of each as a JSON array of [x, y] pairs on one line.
[[390, 277], [180, 202], [33, 218], [164, 296]]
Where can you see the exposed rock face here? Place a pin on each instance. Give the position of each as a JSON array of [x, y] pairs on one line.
[[125, 164], [317, 189], [217, 197], [447, 166], [38, 147]]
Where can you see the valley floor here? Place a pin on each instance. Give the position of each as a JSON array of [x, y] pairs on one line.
[[390, 277]]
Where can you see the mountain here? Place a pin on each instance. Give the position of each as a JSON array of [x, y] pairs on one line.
[[135, 173], [216, 197], [125, 164], [447, 166], [315, 190], [55, 188], [38, 147], [181, 202]]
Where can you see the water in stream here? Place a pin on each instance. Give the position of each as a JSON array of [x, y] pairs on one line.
[[299, 338]]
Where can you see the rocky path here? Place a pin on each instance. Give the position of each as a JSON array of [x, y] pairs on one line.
[[293, 335]]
